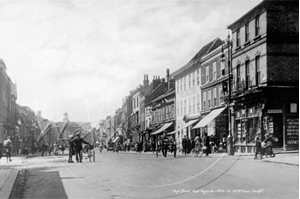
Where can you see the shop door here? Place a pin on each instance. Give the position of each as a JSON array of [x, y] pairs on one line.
[[278, 130]]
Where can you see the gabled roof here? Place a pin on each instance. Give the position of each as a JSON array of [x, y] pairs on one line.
[[203, 51]]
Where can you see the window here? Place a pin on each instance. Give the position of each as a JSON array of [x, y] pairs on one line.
[[198, 104], [214, 70], [190, 106], [184, 83], [238, 76], [208, 98], [198, 80], [181, 84], [181, 107], [204, 100], [257, 29], [184, 106], [247, 32], [257, 71], [207, 73], [247, 74], [222, 63], [189, 81], [194, 104], [193, 79], [238, 37], [215, 96], [220, 94]]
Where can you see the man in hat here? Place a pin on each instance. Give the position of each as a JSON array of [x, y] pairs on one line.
[[257, 140], [78, 141]]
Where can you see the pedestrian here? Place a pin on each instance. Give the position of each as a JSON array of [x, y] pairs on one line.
[[158, 145], [197, 148], [257, 140], [153, 145], [55, 148], [188, 145], [174, 147], [184, 145], [8, 148], [62, 148], [206, 145], [78, 141], [71, 150], [165, 144]]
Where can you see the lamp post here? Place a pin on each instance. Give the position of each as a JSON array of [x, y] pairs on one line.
[[230, 148], [227, 88]]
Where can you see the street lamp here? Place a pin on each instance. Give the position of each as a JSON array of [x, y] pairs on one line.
[[230, 148]]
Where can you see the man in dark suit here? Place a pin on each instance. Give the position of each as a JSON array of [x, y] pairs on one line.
[[184, 145], [78, 141], [165, 144]]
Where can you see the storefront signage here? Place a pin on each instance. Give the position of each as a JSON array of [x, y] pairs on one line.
[[275, 111]]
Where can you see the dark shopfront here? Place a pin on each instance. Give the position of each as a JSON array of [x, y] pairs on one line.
[[269, 111]]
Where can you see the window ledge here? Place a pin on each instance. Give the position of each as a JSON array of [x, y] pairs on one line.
[[237, 48], [257, 37], [247, 43]]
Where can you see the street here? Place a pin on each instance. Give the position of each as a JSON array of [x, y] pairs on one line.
[[139, 175]]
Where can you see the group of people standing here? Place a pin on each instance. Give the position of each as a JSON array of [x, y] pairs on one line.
[[199, 145]]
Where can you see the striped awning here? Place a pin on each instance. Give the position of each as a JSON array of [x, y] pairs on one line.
[[164, 127]]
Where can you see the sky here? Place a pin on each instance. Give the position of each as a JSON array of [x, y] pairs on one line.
[[84, 56]]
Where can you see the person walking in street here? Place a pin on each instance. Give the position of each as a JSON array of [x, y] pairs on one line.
[[165, 144], [184, 145], [55, 148], [174, 147], [8, 148], [206, 145], [153, 145], [257, 140], [71, 150], [197, 148]]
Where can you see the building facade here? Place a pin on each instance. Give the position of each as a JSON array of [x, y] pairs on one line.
[[214, 74], [265, 65], [8, 106], [188, 93]]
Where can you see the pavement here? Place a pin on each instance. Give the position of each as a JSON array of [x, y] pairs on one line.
[[9, 170]]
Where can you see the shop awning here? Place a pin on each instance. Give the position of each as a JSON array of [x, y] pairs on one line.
[[186, 125], [207, 119], [164, 127]]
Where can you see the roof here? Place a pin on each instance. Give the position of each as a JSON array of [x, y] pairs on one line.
[[231, 26], [203, 51]]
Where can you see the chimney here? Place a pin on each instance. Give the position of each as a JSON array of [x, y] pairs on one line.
[[168, 75], [146, 81], [163, 80]]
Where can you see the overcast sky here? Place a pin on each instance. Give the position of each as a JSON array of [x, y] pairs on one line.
[[83, 57]]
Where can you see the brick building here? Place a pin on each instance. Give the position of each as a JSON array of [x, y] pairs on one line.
[[265, 65], [8, 106]]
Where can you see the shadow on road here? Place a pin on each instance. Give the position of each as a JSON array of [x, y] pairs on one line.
[[38, 182]]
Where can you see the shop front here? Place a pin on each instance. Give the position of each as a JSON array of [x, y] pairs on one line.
[[272, 112]]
